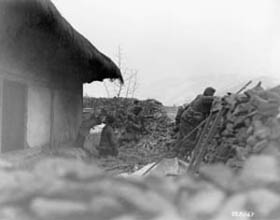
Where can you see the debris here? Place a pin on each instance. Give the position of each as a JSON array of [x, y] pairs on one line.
[[163, 167], [140, 143], [248, 126]]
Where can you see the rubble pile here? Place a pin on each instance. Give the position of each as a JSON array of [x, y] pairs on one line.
[[155, 132], [71, 189], [249, 126], [118, 107]]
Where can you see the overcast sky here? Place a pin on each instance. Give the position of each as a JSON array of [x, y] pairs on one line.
[[181, 46]]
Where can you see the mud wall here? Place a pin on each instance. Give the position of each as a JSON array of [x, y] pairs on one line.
[[67, 113], [53, 112], [38, 116]]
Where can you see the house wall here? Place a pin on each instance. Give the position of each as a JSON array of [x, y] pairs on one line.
[[53, 113], [67, 115], [40, 49], [5, 75], [1, 108], [38, 116]]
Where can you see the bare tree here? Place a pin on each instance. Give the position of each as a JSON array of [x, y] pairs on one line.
[[134, 85], [132, 82], [106, 89], [130, 79]]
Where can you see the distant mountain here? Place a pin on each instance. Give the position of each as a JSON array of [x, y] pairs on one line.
[[267, 83], [181, 91], [276, 89]]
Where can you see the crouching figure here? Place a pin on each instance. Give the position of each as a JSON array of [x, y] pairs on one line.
[[85, 129], [197, 111], [108, 145]]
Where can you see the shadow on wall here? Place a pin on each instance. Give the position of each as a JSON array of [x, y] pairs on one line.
[[67, 115]]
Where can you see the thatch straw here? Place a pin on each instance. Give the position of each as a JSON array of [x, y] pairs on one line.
[[27, 21]]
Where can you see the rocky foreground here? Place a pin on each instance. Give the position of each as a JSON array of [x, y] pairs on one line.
[[70, 189]]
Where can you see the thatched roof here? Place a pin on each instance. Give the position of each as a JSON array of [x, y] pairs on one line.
[[35, 37]]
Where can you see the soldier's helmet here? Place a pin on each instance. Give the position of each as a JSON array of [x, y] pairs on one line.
[[110, 119], [209, 91]]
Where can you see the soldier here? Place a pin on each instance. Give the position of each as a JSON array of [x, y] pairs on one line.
[[139, 118], [84, 130], [108, 145], [179, 113], [132, 129], [197, 111], [134, 124]]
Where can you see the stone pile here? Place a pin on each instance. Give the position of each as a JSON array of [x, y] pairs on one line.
[[249, 126], [67, 189], [155, 135]]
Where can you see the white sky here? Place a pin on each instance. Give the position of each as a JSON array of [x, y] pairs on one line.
[[181, 46]]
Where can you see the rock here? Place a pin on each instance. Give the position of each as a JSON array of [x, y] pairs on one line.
[[162, 217], [205, 202], [126, 217], [139, 199], [58, 167], [56, 208], [219, 174], [4, 164], [168, 216], [275, 131], [181, 201], [241, 153], [234, 163], [262, 132], [16, 185], [8, 180], [260, 170], [271, 149], [106, 206], [260, 146], [252, 140], [167, 189], [14, 213], [263, 202], [234, 204]]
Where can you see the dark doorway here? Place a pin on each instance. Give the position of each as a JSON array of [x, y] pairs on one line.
[[13, 116]]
